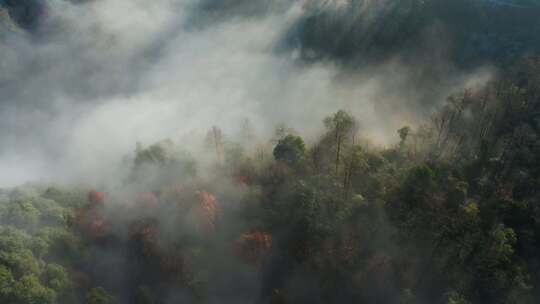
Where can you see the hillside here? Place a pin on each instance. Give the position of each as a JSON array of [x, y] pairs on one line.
[[270, 152], [468, 32]]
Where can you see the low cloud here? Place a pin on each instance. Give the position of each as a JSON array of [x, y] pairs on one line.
[[97, 76]]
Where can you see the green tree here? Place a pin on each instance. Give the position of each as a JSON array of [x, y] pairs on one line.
[[6, 285], [341, 127], [22, 214], [403, 134], [290, 150], [57, 278], [214, 140], [29, 290], [15, 252], [144, 296], [99, 295]]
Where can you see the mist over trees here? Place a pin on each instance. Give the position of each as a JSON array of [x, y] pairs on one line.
[[230, 193], [446, 215]]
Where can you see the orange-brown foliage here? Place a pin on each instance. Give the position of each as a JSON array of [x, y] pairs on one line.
[[147, 199], [175, 265], [379, 266], [80, 279], [172, 263], [505, 192], [147, 233], [206, 211], [92, 222], [254, 247], [350, 248], [96, 197], [241, 179]]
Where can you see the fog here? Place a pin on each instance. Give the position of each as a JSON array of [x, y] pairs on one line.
[[89, 79]]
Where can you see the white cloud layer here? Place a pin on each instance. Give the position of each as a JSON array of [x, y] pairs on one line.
[[102, 75]]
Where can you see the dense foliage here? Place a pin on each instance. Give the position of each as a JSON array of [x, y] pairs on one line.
[[419, 31], [449, 214]]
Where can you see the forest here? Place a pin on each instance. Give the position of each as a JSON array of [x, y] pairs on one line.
[[448, 215], [443, 209]]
